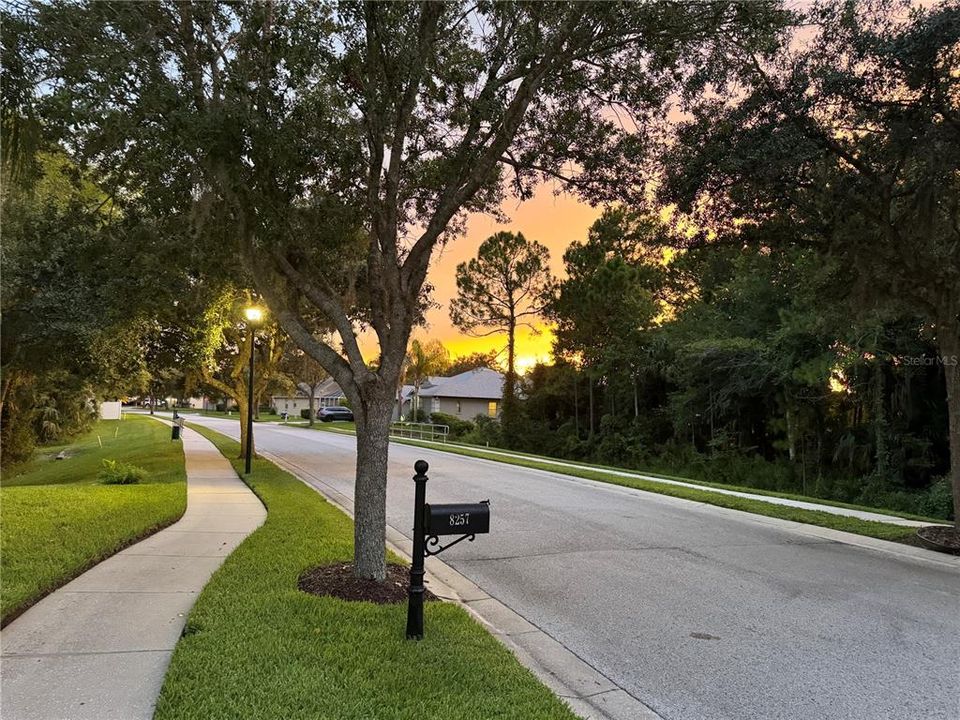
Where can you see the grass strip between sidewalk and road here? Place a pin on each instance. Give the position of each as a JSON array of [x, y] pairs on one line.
[[845, 523], [58, 520], [263, 417], [256, 646]]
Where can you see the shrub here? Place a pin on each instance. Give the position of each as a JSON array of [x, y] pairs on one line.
[[937, 501], [420, 415], [119, 473], [458, 427], [487, 431], [728, 467], [305, 413], [47, 419], [18, 441]]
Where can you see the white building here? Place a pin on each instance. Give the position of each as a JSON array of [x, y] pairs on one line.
[[472, 393], [201, 403], [328, 394]]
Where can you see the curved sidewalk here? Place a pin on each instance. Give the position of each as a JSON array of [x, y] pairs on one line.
[[99, 647]]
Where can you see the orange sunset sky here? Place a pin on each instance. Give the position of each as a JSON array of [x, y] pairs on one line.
[[553, 220]]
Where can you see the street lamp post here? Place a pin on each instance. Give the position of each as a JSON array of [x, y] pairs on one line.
[[253, 315]]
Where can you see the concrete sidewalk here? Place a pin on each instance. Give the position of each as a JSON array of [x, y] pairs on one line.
[[99, 647]]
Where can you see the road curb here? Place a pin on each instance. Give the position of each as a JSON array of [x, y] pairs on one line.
[[588, 692]]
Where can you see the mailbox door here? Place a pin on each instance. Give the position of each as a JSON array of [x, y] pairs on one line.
[[457, 519]]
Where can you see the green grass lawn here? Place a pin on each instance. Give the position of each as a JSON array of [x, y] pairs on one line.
[[235, 414], [58, 520], [881, 530], [257, 647], [342, 425], [551, 462]]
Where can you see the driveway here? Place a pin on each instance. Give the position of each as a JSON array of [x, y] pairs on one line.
[[699, 612]]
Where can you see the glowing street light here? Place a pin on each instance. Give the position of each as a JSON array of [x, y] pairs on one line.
[[254, 316]]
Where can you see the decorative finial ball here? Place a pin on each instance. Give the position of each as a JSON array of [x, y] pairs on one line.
[[421, 467]]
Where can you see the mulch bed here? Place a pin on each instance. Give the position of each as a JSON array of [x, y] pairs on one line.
[[339, 581], [942, 538]]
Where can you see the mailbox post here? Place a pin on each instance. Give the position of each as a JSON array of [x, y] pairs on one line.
[[177, 426], [415, 594], [429, 522]]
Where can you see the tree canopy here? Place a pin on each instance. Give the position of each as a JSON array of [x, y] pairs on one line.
[[334, 146], [848, 144], [505, 287]]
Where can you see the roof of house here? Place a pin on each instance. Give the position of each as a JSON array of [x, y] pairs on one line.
[[327, 389], [482, 383]]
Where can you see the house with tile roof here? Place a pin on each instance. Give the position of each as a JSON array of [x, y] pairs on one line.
[[471, 393]]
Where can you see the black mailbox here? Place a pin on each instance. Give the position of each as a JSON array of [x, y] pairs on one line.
[[457, 519], [429, 522]]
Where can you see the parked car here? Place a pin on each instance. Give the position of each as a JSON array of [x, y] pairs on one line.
[[329, 414]]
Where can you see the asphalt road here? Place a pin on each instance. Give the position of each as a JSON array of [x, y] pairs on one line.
[[701, 614]]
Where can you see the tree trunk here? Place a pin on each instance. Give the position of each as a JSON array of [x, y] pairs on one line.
[[590, 385], [509, 410], [712, 428], [370, 492], [312, 405], [803, 466], [791, 433], [9, 379], [880, 426], [511, 351], [153, 404], [576, 403], [816, 490], [948, 336], [257, 401], [636, 400], [244, 408]]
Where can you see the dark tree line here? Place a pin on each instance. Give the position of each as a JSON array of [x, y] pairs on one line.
[[738, 362], [805, 335]]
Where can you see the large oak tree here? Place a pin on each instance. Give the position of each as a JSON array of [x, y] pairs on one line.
[[335, 146]]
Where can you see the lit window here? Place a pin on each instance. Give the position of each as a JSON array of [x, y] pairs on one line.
[[492, 408]]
